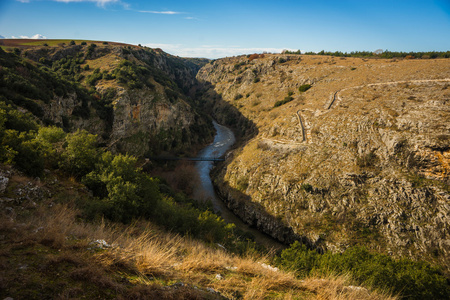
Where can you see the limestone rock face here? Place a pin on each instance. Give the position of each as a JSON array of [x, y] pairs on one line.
[[362, 157], [147, 123], [137, 104]]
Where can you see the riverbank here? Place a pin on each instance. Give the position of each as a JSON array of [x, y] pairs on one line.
[[223, 141]]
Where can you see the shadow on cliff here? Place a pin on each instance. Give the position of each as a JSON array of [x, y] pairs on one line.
[[251, 213], [209, 101]]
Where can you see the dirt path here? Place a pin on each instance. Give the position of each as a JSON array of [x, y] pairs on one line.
[[290, 144], [338, 97], [301, 125]]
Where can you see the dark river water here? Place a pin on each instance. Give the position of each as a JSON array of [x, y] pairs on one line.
[[223, 140]]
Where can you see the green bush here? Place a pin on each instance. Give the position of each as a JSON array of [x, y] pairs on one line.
[[242, 183], [411, 279], [238, 96], [303, 88], [27, 151], [307, 187], [81, 153], [284, 101]]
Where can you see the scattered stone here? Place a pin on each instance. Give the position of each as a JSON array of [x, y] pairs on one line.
[[353, 288], [221, 246], [100, 244], [269, 267], [38, 229], [219, 277], [3, 183]]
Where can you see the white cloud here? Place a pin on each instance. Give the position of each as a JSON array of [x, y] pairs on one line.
[[168, 12], [101, 3], [36, 36], [213, 51], [2, 37], [98, 2]]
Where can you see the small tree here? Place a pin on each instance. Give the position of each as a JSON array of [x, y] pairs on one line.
[[81, 153]]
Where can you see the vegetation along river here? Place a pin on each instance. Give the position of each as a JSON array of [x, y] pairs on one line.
[[223, 140]]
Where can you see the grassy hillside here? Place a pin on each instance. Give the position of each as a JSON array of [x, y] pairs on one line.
[[48, 252]]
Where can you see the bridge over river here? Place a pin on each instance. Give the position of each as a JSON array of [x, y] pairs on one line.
[[200, 158]]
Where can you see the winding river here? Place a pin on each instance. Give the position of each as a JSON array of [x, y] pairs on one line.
[[223, 140]]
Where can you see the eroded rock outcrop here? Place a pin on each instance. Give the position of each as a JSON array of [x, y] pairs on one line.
[[373, 168]]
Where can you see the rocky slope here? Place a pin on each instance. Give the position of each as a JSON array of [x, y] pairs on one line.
[[362, 157], [134, 98]]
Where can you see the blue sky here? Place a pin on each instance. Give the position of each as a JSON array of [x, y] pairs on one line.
[[216, 28]]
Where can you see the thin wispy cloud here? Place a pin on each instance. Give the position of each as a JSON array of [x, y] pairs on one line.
[[165, 12], [98, 2], [101, 3], [210, 51]]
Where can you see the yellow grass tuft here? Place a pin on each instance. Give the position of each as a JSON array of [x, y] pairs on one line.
[[151, 258]]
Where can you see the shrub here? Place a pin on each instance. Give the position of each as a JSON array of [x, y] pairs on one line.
[[27, 152], [238, 96], [284, 101], [242, 183], [72, 43], [253, 56], [367, 160], [81, 153], [83, 43], [411, 279], [303, 88], [307, 187]]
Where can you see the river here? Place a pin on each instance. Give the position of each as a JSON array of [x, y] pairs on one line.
[[223, 140]]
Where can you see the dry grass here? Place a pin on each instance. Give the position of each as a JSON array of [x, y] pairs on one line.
[[149, 259], [172, 257]]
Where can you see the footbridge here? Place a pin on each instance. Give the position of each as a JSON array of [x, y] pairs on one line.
[[200, 158]]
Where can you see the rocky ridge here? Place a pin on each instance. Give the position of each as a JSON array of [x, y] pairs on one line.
[[362, 157], [135, 98]]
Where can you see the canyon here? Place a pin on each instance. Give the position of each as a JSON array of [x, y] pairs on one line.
[[360, 157]]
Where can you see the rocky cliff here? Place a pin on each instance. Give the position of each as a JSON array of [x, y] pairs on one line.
[[344, 151], [136, 99]]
